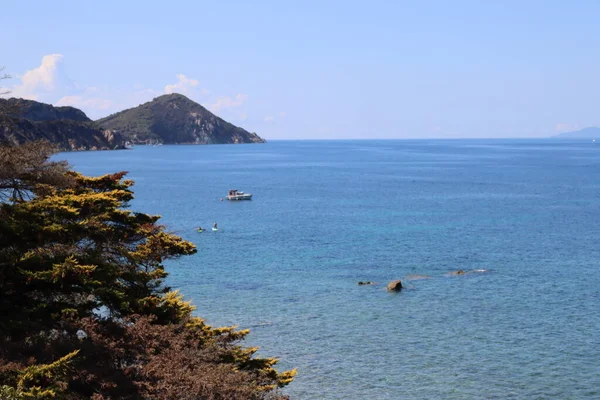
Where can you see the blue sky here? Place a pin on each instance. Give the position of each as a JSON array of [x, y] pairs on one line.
[[319, 69]]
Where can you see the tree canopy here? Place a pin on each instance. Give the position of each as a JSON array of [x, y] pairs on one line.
[[84, 309]]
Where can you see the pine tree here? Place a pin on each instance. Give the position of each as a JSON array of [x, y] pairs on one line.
[[82, 293]]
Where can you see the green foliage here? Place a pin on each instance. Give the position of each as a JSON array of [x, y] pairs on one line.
[[80, 249], [85, 310], [45, 381], [10, 393]]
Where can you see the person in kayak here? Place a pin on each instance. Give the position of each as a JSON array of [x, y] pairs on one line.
[[200, 229]]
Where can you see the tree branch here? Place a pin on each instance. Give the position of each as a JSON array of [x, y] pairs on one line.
[[4, 91]]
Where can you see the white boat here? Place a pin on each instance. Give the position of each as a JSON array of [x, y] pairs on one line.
[[235, 194]]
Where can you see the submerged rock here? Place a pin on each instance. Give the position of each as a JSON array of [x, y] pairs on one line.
[[415, 277], [394, 286]]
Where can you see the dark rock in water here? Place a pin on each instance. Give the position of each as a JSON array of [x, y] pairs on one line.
[[175, 119], [365, 283], [394, 286]]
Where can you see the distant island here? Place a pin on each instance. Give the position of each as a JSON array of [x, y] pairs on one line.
[[175, 119], [168, 119], [586, 133]]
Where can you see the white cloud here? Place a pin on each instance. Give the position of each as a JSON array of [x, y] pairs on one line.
[[84, 103], [271, 118], [225, 102], [562, 127], [43, 80], [49, 83], [184, 85]]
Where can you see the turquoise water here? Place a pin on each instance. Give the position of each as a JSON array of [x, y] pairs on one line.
[[326, 215]]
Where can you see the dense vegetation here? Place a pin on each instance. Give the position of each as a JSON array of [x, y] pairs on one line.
[[36, 111], [84, 310], [173, 118], [67, 127]]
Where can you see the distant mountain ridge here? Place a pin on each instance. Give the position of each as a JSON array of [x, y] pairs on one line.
[[66, 127], [175, 119], [585, 133]]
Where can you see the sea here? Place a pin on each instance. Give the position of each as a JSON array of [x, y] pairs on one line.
[[520, 218]]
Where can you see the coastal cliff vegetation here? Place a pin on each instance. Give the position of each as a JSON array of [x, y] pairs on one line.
[[167, 119], [66, 127], [85, 312], [175, 119]]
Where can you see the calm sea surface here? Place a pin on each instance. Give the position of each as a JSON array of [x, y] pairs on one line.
[[327, 214]]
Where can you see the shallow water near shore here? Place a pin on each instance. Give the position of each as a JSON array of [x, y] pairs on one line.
[[520, 217]]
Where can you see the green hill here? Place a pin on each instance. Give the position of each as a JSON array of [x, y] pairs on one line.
[[67, 127], [175, 119]]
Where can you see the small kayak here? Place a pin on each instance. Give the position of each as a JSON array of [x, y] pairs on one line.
[[200, 230], [215, 229]]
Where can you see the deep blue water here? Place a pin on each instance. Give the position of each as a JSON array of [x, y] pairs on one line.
[[327, 214]]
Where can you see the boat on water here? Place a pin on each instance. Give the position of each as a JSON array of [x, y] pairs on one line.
[[235, 194]]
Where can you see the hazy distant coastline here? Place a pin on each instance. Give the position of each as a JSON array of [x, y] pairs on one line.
[[585, 133]]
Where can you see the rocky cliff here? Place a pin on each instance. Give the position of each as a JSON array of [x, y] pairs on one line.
[[67, 127], [175, 119]]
